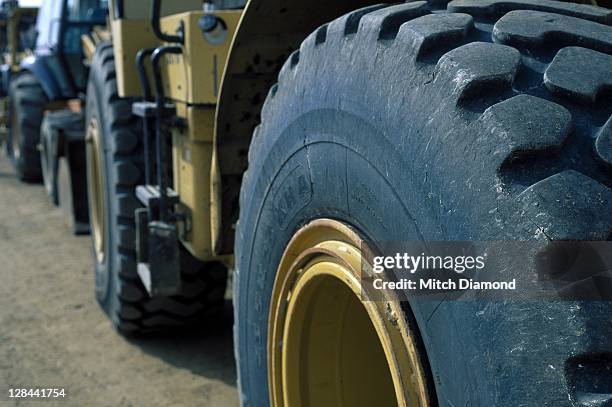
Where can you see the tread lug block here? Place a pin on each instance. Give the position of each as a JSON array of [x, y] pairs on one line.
[[170, 306], [474, 68], [386, 22], [272, 91], [127, 267], [160, 320], [315, 39], [294, 59], [127, 174], [569, 206], [120, 112], [125, 142], [126, 235], [349, 23], [524, 125], [195, 290], [130, 313], [497, 8], [435, 32], [534, 29], [131, 292], [199, 290], [321, 35], [579, 73], [288, 68], [603, 144], [127, 204]]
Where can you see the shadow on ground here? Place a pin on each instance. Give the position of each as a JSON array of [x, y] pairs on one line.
[[206, 350]]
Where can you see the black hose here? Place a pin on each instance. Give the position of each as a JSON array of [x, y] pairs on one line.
[[142, 72], [155, 23], [159, 142], [147, 96], [118, 12]]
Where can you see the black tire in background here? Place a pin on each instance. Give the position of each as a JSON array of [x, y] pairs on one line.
[[27, 102], [49, 160], [54, 132], [118, 287], [475, 123]]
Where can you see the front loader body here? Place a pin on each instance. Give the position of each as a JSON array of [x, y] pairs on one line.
[[45, 78], [218, 83], [231, 79], [200, 78], [177, 88], [57, 57]]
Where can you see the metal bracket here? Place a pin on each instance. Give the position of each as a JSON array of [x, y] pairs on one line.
[[158, 254]]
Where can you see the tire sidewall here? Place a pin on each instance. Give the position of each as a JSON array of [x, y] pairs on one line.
[[308, 149]]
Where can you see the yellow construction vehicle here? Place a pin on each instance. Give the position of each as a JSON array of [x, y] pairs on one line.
[[280, 138], [44, 80], [17, 34], [16, 41]]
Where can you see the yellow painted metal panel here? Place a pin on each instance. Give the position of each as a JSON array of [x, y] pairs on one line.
[[192, 158], [130, 36], [195, 76]]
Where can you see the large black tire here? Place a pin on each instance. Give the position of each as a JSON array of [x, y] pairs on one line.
[[118, 287], [27, 102], [473, 123]]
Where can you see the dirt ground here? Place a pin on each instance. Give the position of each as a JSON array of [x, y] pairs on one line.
[[53, 334]]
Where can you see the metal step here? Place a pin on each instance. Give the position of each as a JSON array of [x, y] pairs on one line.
[[148, 110], [149, 196]]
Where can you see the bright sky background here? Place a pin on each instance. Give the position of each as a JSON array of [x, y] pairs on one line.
[[30, 3]]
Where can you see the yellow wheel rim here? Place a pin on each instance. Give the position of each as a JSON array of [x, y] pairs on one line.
[[327, 347], [95, 185]]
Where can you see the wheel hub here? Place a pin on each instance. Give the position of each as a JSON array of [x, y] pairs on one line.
[[330, 343]]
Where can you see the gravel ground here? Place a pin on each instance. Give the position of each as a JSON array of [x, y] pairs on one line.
[[53, 334]]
